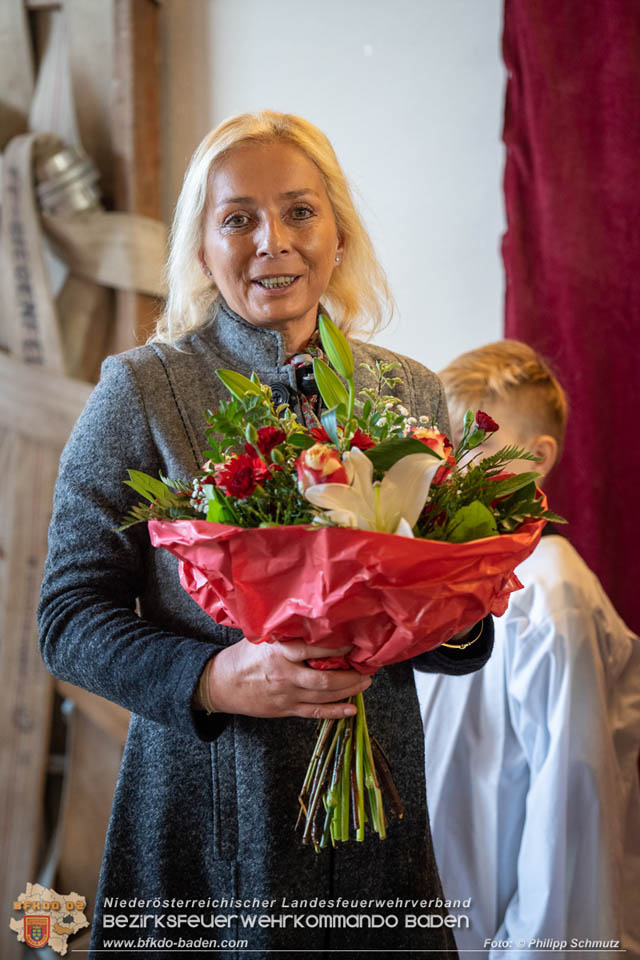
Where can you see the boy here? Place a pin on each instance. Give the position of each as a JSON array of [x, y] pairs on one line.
[[531, 763]]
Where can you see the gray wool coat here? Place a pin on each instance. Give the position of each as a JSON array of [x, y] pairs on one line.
[[204, 806]]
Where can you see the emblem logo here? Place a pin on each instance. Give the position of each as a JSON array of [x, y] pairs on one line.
[[48, 918], [36, 931]]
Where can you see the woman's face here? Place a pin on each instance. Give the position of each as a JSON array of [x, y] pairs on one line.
[[270, 238]]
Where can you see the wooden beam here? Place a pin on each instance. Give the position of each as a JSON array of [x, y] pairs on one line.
[[93, 762], [108, 717], [39, 404], [27, 700], [137, 141], [43, 4]]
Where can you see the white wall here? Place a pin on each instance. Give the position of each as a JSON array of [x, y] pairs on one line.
[[410, 92]]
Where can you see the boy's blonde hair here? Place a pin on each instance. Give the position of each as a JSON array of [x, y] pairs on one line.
[[357, 297], [511, 371]]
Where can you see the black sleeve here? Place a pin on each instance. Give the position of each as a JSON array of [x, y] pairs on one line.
[[449, 660]]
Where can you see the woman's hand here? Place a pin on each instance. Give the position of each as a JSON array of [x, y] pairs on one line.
[[273, 680]]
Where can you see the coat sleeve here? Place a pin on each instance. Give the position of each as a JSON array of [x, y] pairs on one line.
[[90, 634], [566, 861], [449, 660], [428, 396]]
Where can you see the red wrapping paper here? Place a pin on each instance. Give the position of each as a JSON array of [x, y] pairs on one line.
[[392, 597]]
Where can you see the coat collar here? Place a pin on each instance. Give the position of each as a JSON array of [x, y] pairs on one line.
[[244, 343]]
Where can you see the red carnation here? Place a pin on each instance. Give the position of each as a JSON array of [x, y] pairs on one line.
[[485, 422], [443, 472], [360, 440], [319, 434], [268, 438], [241, 475]]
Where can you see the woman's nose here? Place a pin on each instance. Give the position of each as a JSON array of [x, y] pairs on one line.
[[273, 238]]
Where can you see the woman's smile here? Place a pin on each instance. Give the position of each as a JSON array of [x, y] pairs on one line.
[[270, 237], [276, 284]]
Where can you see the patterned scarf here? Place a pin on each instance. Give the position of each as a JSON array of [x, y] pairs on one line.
[[310, 399]]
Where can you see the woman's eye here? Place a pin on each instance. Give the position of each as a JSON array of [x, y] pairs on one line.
[[236, 220], [302, 213]]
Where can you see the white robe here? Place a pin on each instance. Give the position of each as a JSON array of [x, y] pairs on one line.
[[532, 768]]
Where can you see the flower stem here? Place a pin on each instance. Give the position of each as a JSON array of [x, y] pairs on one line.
[[373, 787], [313, 764], [360, 724], [384, 771], [346, 786], [316, 792], [352, 394], [343, 779]]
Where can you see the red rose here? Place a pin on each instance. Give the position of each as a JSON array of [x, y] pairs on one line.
[[436, 441], [268, 438], [485, 422], [319, 464], [241, 475]]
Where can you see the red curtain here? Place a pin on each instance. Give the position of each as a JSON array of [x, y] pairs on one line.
[[572, 257]]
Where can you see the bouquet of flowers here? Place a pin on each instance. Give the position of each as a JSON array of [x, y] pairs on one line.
[[366, 527]]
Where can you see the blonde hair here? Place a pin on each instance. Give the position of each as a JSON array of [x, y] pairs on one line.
[[357, 297], [512, 371]]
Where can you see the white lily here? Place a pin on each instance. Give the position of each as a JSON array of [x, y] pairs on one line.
[[391, 505]]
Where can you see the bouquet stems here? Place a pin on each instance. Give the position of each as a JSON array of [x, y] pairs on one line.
[[341, 789]]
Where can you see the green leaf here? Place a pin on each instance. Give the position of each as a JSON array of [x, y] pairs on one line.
[[237, 384], [501, 458], [329, 421], [336, 347], [553, 517], [472, 523], [216, 512], [475, 439], [389, 451], [502, 488], [148, 487], [332, 390], [301, 441], [218, 509]]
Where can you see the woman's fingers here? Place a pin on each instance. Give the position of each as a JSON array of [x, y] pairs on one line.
[[320, 686], [330, 711], [257, 680], [298, 650], [336, 689]]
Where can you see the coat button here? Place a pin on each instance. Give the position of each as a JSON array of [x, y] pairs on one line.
[[280, 393], [305, 380]]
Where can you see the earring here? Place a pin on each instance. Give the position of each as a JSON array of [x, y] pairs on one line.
[[337, 259]]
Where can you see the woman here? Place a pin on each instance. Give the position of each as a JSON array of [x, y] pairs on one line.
[[220, 734]]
